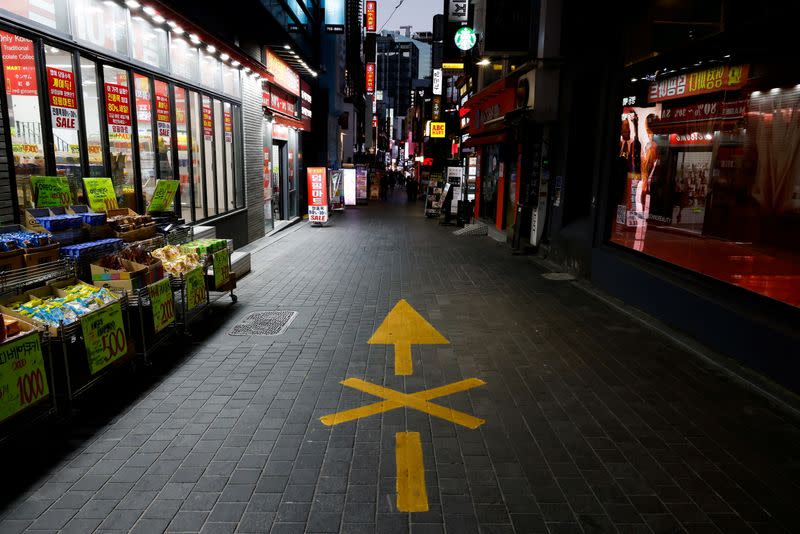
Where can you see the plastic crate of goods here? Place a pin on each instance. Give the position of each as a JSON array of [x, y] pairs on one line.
[[56, 223], [63, 306], [93, 248]]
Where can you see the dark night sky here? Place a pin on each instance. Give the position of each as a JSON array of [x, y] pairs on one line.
[[417, 13]]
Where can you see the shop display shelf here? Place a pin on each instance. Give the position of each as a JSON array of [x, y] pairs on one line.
[[19, 280], [148, 340], [186, 317]]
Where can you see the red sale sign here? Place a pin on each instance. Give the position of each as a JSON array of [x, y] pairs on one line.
[[317, 195], [19, 67], [63, 99], [118, 109]]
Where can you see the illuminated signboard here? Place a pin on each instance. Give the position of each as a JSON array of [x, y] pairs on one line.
[[334, 16], [437, 81], [438, 130], [370, 78], [282, 74], [371, 23]]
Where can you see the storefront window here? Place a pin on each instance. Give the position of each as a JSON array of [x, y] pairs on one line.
[[230, 81], [184, 59], [208, 152], [237, 139], [164, 125], [182, 127], [144, 127], [220, 149], [25, 117], [709, 174], [104, 24], [229, 172], [62, 97], [91, 113], [50, 13], [197, 161], [149, 43], [120, 130], [210, 72], [489, 181]]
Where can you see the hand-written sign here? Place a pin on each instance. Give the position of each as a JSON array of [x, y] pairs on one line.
[[195, 288], [104, 336], [50, 191], [22, 374], [163, 195], [162, 304], [101, 195], [222, 268]]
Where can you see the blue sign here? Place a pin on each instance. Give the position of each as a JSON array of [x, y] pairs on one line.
[[335, 16]]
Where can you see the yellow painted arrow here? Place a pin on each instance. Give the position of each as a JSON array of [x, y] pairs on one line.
[[404, 327]]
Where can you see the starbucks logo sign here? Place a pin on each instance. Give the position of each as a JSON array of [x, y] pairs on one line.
[[465, 38]]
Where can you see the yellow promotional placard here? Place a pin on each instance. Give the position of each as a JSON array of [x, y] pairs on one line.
[[222, 268], [162, 304], [104, 336], [163, 195], [23, 380], [195, 288], [50, 191], [101, 195]]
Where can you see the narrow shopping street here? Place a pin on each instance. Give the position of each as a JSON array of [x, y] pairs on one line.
[[592, 422]]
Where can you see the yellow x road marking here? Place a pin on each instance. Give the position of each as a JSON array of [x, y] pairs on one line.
[[417, 401]]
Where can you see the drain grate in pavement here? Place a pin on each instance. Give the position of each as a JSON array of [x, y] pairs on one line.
[[270, 323], [558, 276]]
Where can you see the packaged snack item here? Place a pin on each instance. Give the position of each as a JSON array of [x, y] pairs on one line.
[[177, 261]]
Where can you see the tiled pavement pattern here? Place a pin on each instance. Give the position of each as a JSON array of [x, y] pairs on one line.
[[594, 423]]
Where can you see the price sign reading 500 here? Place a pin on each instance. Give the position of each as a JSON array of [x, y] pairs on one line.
[[104, 337]]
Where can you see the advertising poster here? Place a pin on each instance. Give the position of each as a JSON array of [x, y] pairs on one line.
[[362, 176], [19, 66], [349, 187], [208, 122], [118, 110], [163, 115], [23, 381], [337, 190], [317, 195], [63, 99], [228, 118]]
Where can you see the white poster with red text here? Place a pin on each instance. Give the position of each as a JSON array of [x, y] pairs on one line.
[[317, 195]]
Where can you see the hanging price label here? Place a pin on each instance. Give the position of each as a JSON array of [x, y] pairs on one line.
[[50, 191], [195, 288], [104, 336], [163, 195], [100, 192], [23, 381], [162, 304], [222, 268]]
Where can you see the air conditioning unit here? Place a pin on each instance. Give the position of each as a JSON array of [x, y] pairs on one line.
[[526, 90], [537, 91]]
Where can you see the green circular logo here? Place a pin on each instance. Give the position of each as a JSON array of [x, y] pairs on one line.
[[465, 38]]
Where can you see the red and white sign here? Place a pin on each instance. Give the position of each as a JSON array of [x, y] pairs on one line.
[[370, 78], [208, 121], [280, 101], [722, 78], [63, 98], [19, 66], [282, 74], [163, 115], [694, 138], [228, 127], [703, 112], [374, 121], [118, 109], [371, 23], [317, 195]]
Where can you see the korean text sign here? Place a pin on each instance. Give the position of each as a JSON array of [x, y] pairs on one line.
[[317, 195], [22, 374], [104, 336]]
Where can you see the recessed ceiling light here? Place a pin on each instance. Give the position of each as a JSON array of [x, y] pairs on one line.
[[287, 47], [149, 10], [158, 19], [177, 29], [194, 38], [235, 63], [247, 70], [133, 4], [211, 48], [224, 57]]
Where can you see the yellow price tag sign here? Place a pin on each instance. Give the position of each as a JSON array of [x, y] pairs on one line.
[[195, 288], [222, 268], [104, 336], [50, 191], [23, 380], [162, 304], [101, 195]]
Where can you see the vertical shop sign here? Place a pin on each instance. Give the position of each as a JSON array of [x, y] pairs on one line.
[[437, 81], [163, 115], [370, 78], [371, 23], [317, 195], [23, 380], [63, 99], [19, 66], [228, 127], [118, 110], [335, 16], [208, 123], [458, 11]]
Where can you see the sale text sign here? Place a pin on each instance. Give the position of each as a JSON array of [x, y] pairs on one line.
[[317, 195]]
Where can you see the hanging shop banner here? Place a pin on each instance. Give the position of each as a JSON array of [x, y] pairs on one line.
[[222, 268], [23, 380], [208, 122], [437, 81], [282, 74], [317, 195], [712, 80], [101, 195], [50, 191], [162, 304], [104, 336], [163, 115], [195, 288], [361, 183], [19, 65], [370, 78], [438, 130], [335, 16], [228, 118], [371, 22], [163, 195], [118, 110], [458, 11], [63, 99]]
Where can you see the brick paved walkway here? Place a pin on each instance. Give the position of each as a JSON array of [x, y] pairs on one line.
[[593, 423]]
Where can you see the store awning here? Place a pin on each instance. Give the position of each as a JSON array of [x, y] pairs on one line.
[[481, 140]]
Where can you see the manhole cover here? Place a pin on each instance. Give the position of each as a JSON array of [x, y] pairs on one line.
[[558, 276], [271, 323]]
